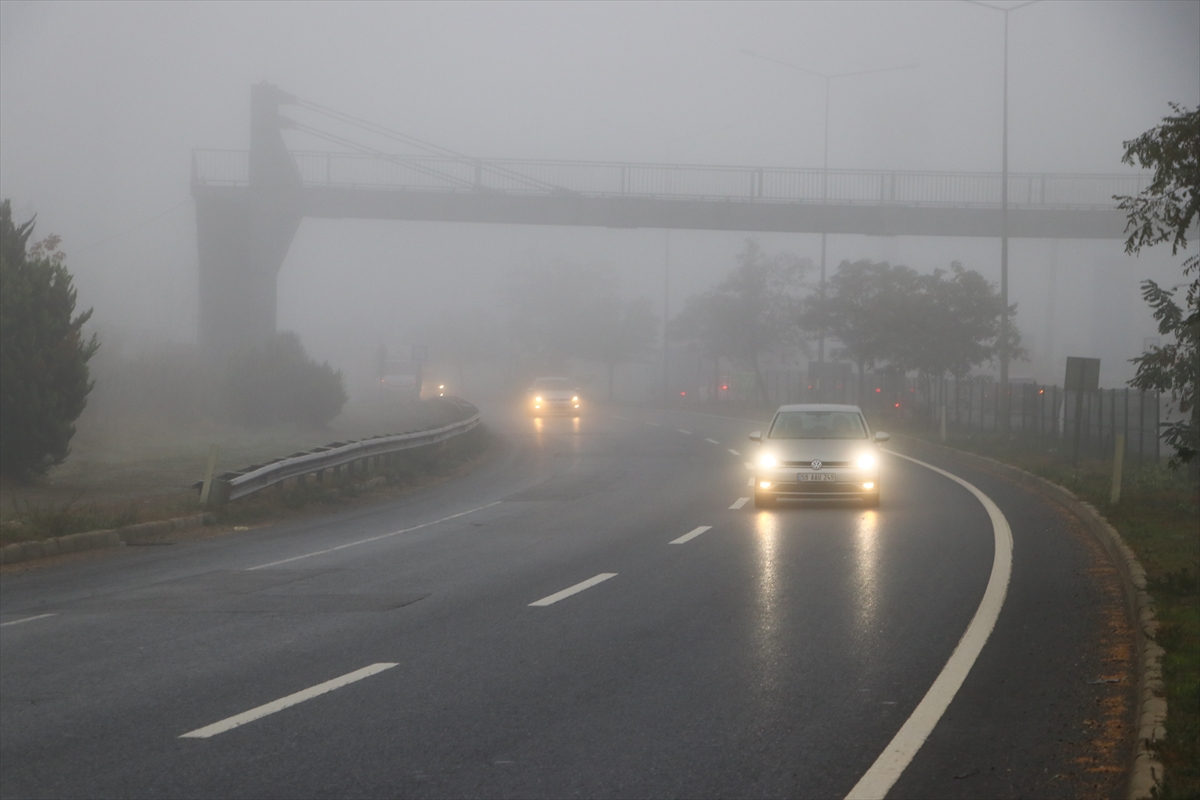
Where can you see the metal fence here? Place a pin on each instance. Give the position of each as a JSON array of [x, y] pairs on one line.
[[681, 181], [1049, 412], [1036, 411]]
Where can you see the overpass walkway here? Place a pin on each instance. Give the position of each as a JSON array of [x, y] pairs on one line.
[[646, 195]]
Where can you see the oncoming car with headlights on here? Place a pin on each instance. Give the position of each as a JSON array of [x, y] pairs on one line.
[[554, 396], [817, 451]]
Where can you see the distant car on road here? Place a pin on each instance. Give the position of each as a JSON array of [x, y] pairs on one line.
[[554, 396], [817, 451]]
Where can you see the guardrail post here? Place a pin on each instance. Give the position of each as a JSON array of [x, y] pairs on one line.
[[213, 452]]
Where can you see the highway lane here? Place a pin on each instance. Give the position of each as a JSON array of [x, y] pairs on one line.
[[772, 654]]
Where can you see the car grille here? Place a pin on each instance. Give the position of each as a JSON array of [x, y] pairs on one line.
[[820, 488]]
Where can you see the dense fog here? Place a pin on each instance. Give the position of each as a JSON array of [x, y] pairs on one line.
[[101, 105]]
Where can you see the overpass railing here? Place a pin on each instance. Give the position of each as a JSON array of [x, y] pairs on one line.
[[681, 181]]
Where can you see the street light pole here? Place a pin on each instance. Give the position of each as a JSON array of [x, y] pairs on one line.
[[1004, 409], [828, 78]]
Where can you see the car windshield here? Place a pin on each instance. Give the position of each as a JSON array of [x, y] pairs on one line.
[[817, 425], [552, 385]]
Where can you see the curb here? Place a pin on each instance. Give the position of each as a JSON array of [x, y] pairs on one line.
[[1147, 772], [92, 540]]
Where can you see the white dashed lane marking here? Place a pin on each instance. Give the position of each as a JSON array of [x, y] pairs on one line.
[[579, 587], [735, 452], [712, 441], [750, 481], [741, 501], [687, 433], [687, 537], [238, 720], [26, 619]]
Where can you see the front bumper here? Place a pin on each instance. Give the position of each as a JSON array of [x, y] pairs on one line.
[[556, 407], [793, 483]]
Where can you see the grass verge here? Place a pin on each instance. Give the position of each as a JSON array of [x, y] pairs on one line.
[[119, 483], [1158, 515]]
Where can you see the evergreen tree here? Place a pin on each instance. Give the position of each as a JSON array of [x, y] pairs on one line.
[[44, 380]]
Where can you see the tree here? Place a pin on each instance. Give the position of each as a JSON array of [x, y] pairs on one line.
[[620, 332], [1162, 212], [942, 323], [564, 310], [462, 338], [44, 381], [954, 324], [277, 382], [862, 310], [751, 313]]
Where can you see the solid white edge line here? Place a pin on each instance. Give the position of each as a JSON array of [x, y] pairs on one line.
[[229, 723], [570, 590], [741, 501], [372, 539], [687, 537], [891, 763], [27, 619]]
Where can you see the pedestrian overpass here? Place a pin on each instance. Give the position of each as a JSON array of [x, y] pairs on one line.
[[250, 203]]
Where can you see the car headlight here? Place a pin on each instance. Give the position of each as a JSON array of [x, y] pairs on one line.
[[537, 399], [575, 399], [767, 460], [866, 461]]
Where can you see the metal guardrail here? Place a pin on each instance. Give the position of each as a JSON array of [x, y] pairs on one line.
[[240, 483], [680, 181]]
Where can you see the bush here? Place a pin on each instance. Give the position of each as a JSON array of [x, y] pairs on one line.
[[277, 382], [44, 379]]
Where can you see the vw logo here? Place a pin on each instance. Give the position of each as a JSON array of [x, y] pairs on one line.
[[816, 463]]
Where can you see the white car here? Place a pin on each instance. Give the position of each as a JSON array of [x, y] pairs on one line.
[[817, 451], [554, 396]]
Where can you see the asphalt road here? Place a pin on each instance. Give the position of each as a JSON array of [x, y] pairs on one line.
[[771, 654]]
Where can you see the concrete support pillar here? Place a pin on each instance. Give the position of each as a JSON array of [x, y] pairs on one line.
[[243, 236]]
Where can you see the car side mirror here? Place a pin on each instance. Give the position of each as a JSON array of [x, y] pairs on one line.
[[756, 437], [880, 436]]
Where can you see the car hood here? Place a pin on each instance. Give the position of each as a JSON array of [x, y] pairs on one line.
[[824, 449]]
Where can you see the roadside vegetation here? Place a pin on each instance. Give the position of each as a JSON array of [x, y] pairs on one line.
[[44, 378], [1158, 514], [123, 472]]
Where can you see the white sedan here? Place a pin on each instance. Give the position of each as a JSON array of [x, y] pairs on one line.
[[817, 451]]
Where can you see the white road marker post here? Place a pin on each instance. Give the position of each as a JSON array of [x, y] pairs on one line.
[[1118, 461]]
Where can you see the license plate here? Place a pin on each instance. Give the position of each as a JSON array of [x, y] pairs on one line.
[[807, 477]]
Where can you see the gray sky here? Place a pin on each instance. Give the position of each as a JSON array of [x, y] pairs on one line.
[[101, 104]]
